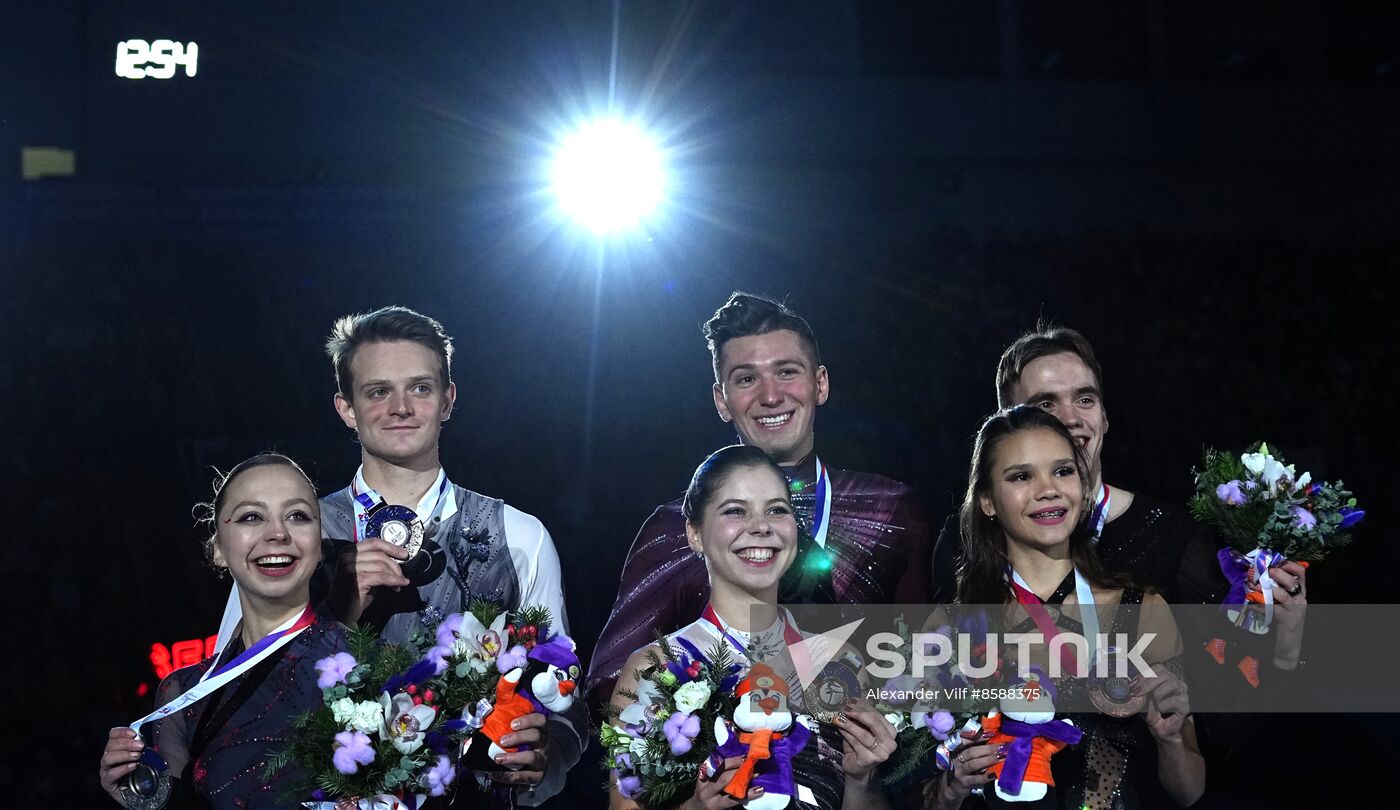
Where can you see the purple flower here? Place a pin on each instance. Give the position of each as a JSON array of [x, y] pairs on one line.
[[438, 656], [449, 630], [352, 749], [1229, 493], [939, 723], [514, 658], [1350, 517], [439, 777], [681, 730], [629, 786], [334, 669], [1302, 518]]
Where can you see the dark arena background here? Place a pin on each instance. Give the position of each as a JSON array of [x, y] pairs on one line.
[[1208, 190]]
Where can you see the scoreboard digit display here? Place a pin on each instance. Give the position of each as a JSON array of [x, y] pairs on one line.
[[139, 59]]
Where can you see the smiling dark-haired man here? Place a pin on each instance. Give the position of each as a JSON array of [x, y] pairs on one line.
[[862, 530]]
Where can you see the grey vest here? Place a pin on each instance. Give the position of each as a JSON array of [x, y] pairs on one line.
[[476, 564]]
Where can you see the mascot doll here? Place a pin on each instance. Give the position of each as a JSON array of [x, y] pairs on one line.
[[767, 734], [542, 681], [1023, 779]]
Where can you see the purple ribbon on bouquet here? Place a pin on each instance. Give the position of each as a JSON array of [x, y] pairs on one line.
[[1018, 752], [1235, 566]]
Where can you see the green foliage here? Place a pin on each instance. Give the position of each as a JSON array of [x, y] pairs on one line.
[[668, 779], [915, 746], [536, 615], [484, 610], [311, 747], [1268, 516]]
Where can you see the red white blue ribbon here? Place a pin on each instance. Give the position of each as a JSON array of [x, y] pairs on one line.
[[1035, 606], [790, 634], [1098, 515], [214, 679], [821, 506]]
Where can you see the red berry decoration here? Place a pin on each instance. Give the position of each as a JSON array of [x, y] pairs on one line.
[[428, 695], [531, 630], [510, 629], [417, 701], [412, 689]]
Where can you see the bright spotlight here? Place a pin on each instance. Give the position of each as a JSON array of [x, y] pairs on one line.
[[608, 175]]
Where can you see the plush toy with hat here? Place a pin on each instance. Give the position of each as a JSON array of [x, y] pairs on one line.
[[767, 734], [1033, 735], [540, 681]]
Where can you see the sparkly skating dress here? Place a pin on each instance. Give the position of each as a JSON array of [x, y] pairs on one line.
[[233, 732], [1114, 767]]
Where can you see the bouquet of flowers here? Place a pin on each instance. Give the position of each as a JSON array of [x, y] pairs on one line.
[[1256, 502], [657, 745], [397, 721], [1268, 514]]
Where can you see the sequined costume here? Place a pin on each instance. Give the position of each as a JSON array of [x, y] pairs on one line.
[[1158, 546], [878, 538], [1114, 766], [233, 731]]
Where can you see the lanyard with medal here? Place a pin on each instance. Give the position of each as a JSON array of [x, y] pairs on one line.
[[1110, 691], [1098, 516], [826, 691], [760, 651], [811, 571], [1034, 606], [148, 786], [397, 525]]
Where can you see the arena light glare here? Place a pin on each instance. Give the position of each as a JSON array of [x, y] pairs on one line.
[[608, 175]]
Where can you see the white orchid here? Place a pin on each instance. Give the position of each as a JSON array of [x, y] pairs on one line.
[[463, 634], [1267, 469], [403, 723]]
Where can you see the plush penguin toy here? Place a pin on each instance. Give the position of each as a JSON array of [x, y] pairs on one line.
[[542, 680], [1029, 726], [767, 734]]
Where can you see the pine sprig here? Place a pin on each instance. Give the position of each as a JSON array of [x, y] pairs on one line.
[[914, 747], [537, 615]]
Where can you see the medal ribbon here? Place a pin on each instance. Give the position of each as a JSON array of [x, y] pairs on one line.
[[790, 634], [1035, 606], [1098, 516], [821, 506], [213, 679]]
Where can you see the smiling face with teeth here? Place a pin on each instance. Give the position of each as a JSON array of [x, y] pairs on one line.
[[1064, 386], [770, 387], [1037, 494], [268, 535], [748, 535]]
